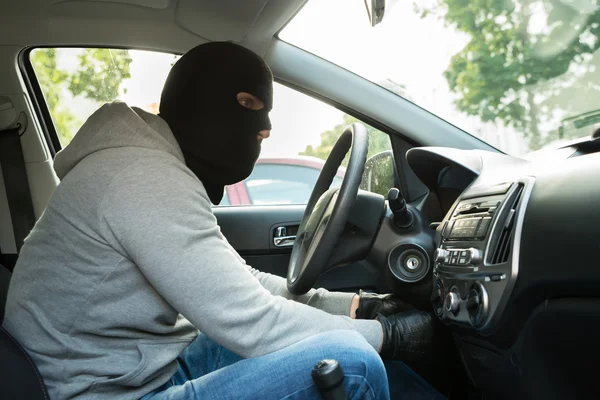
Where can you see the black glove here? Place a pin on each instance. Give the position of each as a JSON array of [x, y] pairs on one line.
[[372, 304], [407, 336]]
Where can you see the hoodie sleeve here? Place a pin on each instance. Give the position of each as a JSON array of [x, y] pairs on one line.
[[159, 215], [337, 303]]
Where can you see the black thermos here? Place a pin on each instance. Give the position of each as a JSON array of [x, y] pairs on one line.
[[329, 378]]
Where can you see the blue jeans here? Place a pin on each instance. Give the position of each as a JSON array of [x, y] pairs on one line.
[[209, 371]]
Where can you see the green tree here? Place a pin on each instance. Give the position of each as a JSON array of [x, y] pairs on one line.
[[378, 141], [98, 77], [509, 74], [51, 81]]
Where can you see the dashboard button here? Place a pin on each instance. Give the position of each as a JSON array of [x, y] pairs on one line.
[[463, 232], [483, 227], [447, 229], [463, 253], [453, 260], [473, 222], [462, 261]]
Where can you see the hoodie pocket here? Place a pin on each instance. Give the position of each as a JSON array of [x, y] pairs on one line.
[[153, 363], [127, 379]]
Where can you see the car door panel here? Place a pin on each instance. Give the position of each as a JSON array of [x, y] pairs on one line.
[[251, 229]]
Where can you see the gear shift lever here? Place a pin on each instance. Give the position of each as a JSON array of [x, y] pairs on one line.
[[329, 378]]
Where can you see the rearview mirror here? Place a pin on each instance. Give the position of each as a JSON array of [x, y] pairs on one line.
[[380, 173], [375, 10]]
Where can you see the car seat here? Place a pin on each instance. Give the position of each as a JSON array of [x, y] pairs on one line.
[[19, 377]]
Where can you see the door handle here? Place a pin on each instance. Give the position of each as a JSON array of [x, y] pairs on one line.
[[282, 239]]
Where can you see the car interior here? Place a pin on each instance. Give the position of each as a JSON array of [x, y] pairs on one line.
[[499, 246]]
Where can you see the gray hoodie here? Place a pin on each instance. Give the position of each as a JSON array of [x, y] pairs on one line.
[[127, 263]]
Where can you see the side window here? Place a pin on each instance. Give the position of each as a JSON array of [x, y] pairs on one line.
[[304, 132], [225, 200], [284, 181], [75, 82]]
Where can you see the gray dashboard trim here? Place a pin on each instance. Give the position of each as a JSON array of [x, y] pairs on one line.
[[528, 182]]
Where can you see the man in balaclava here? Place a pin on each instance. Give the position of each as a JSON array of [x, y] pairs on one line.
[[127, 264], [203, 103]]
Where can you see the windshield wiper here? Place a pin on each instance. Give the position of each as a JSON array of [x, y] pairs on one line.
[[581, 121]]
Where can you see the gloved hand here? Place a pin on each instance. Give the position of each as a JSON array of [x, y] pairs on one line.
[[371, 304], [407, 336]]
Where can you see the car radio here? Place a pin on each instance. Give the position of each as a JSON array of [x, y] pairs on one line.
[[470, 221], [473, 265]]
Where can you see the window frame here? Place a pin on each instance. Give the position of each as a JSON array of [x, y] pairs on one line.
[[36, 95]]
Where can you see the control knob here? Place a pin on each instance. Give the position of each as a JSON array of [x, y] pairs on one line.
[[437, 297], [477, 304], [474, 256], [440, 255], [452, 303]]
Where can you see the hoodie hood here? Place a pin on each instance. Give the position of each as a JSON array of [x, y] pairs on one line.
[[117, 125]]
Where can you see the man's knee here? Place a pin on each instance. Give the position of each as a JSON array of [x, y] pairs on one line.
[[350, 343]]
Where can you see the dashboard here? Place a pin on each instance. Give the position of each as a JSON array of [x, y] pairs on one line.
[[515, 272]]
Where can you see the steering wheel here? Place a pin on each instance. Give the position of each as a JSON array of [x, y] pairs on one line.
[[327, 210]]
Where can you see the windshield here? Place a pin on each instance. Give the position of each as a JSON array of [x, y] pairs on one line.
[[515, 74]]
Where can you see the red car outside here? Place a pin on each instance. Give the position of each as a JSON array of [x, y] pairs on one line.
[[278, 180]]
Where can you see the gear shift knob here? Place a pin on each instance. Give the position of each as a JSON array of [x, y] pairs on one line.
[[329, 378]]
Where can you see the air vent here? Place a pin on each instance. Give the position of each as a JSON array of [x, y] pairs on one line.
[[502, 251]]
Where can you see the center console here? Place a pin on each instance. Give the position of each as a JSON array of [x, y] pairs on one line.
[[477, 258]]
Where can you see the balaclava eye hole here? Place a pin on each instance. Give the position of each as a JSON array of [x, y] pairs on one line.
[[199, 102]]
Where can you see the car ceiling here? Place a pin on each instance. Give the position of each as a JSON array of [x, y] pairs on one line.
[[164, 25]]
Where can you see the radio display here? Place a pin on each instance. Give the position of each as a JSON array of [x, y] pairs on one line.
[[469, 228], [471, 220]]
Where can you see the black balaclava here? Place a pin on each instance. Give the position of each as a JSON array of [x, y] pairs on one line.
[[217, 135]]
